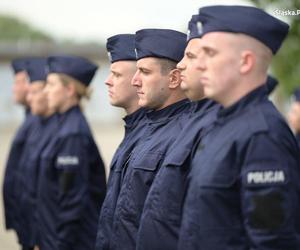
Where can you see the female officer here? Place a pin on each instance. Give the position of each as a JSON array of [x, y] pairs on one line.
[[72, 180]]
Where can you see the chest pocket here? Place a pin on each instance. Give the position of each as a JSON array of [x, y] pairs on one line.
[[219, 175], [139, 178], [168, 190], [177, 157], [148, 162], [222, 169]]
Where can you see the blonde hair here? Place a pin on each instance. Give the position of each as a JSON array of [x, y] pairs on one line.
[[82, 90]]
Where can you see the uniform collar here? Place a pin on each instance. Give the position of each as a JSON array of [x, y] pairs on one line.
[[168, 111], [200, 105], [72, 109], [44, 120], [134, 118], [27, 111], [249, 99]]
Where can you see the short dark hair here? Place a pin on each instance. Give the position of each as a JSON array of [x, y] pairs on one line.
[[166, 65]]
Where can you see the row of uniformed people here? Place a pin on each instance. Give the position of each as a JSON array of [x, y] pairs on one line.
[[44, 125], [187, 175], [224, 174], [55, 180]]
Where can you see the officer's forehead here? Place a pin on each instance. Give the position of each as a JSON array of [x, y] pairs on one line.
[[122, 65], [53, 77], [147, 62], [212, 36], [193, 45], [224, 39], [21, 74]]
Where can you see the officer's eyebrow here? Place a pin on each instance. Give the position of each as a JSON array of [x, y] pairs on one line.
[[190, 54], [208, 48], [143, 69], [115, 72]]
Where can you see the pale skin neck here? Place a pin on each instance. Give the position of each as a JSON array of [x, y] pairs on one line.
[[131, 108], [68, 104], [49, 113], [242, 89], [176, 96]]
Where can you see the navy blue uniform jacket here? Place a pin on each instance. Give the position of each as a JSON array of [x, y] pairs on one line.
[[160, 221], [139, 171], [244, 188], [71, 187], [42, 131], [10, 187], [134, 128]]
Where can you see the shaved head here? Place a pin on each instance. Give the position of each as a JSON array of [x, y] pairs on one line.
[[263, 55]]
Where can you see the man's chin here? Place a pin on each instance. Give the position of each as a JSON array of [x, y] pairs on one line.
[[184, 86], [142, 103]]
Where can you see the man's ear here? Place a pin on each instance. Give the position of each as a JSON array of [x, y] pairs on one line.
[[174, 79], [247, 62], [71, 89]]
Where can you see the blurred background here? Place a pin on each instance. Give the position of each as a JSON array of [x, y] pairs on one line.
[[81, 27]]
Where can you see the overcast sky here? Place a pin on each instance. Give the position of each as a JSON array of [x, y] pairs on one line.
[[87, 20]]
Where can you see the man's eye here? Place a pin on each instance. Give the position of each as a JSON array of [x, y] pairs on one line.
[[211, 52]]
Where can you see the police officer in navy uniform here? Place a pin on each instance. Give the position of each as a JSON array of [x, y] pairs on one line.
[[71, 185], [158, 86], [294, 115], [20, 89], [160, 221], [122, 94], [244, 188], [42, 129]]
